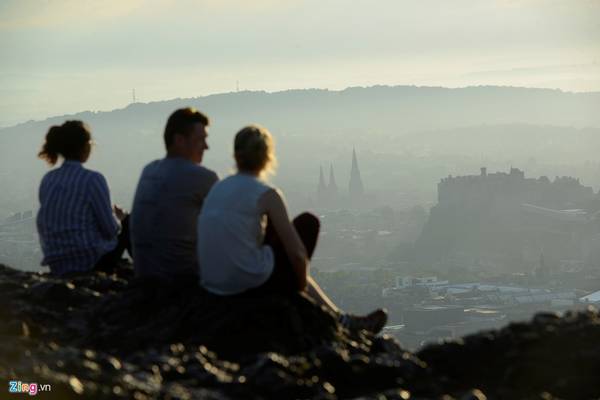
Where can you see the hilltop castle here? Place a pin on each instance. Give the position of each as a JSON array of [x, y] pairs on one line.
[[504, 220], [328, 194], [513, 187]]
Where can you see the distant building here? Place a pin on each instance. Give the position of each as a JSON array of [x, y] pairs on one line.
[[328, 194], [513, 186], [505, 220], [322, 188], [332, 187], [406, 282], [591, 298], [19, 246], [355, 188]]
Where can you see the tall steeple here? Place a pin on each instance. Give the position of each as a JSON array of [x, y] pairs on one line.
[[332, 185], [322, 188], [355, 187]]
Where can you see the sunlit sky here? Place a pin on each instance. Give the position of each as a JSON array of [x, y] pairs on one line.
[[65, 56]]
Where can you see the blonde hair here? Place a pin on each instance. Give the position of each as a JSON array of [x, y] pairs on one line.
[[254, 150]]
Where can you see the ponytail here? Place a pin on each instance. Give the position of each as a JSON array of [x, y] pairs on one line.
[[68, 140], [50, 148]]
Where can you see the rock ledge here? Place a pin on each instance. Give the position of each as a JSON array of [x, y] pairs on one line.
[[107, 337]]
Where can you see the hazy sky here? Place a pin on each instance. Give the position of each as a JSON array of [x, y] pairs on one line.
[[64, 56]]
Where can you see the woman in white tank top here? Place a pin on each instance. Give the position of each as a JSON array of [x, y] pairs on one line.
[[246, 242]]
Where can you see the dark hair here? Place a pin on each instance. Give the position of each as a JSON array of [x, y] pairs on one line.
[[68, 140], [181, 122], [255, 150]]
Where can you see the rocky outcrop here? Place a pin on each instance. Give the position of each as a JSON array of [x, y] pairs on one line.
[[108, 337]]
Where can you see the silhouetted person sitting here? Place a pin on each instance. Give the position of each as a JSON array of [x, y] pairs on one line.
[[246, 242], [78, 230], [168, 199]]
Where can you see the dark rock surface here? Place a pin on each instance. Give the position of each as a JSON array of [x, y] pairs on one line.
[[105, 337]]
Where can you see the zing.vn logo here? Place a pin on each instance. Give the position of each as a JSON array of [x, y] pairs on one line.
[[31, 388]]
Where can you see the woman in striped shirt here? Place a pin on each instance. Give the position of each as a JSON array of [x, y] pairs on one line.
[[78, 230]]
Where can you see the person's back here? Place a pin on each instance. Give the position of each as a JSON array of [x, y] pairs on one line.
[[68, 220], [168, 199], [78, 231], [232, 232], [247, 245]]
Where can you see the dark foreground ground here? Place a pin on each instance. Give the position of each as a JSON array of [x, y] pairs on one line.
[[101, 337]]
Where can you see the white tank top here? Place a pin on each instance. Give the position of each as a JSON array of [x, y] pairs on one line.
[[231, 256]]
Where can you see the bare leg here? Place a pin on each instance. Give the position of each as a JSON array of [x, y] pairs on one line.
[[307, 226], [315, 291], [372, 322]]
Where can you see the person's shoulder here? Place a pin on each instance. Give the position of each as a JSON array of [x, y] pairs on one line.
[[272, 193], [48, 178], [197, 168], [93, 176], [268, 185], [271, 200], [202, 173], [227, 181], [149, 169], [50, 174], [151, 166], [263, 184]]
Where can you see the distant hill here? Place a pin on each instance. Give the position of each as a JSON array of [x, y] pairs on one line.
[[315, 127], [378, 107]]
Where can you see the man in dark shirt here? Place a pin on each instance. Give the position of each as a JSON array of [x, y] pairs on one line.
[[168, 199]]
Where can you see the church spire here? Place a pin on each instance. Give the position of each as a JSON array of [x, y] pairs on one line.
[[322, 188], [332, 185], [355, 187]]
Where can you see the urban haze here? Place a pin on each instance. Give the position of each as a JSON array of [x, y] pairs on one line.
[[449, 150], [457, 209]]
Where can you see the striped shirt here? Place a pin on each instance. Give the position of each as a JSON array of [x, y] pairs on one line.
[[75, 221]]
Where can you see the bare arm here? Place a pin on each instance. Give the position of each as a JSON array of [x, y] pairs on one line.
[[272, 203]]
